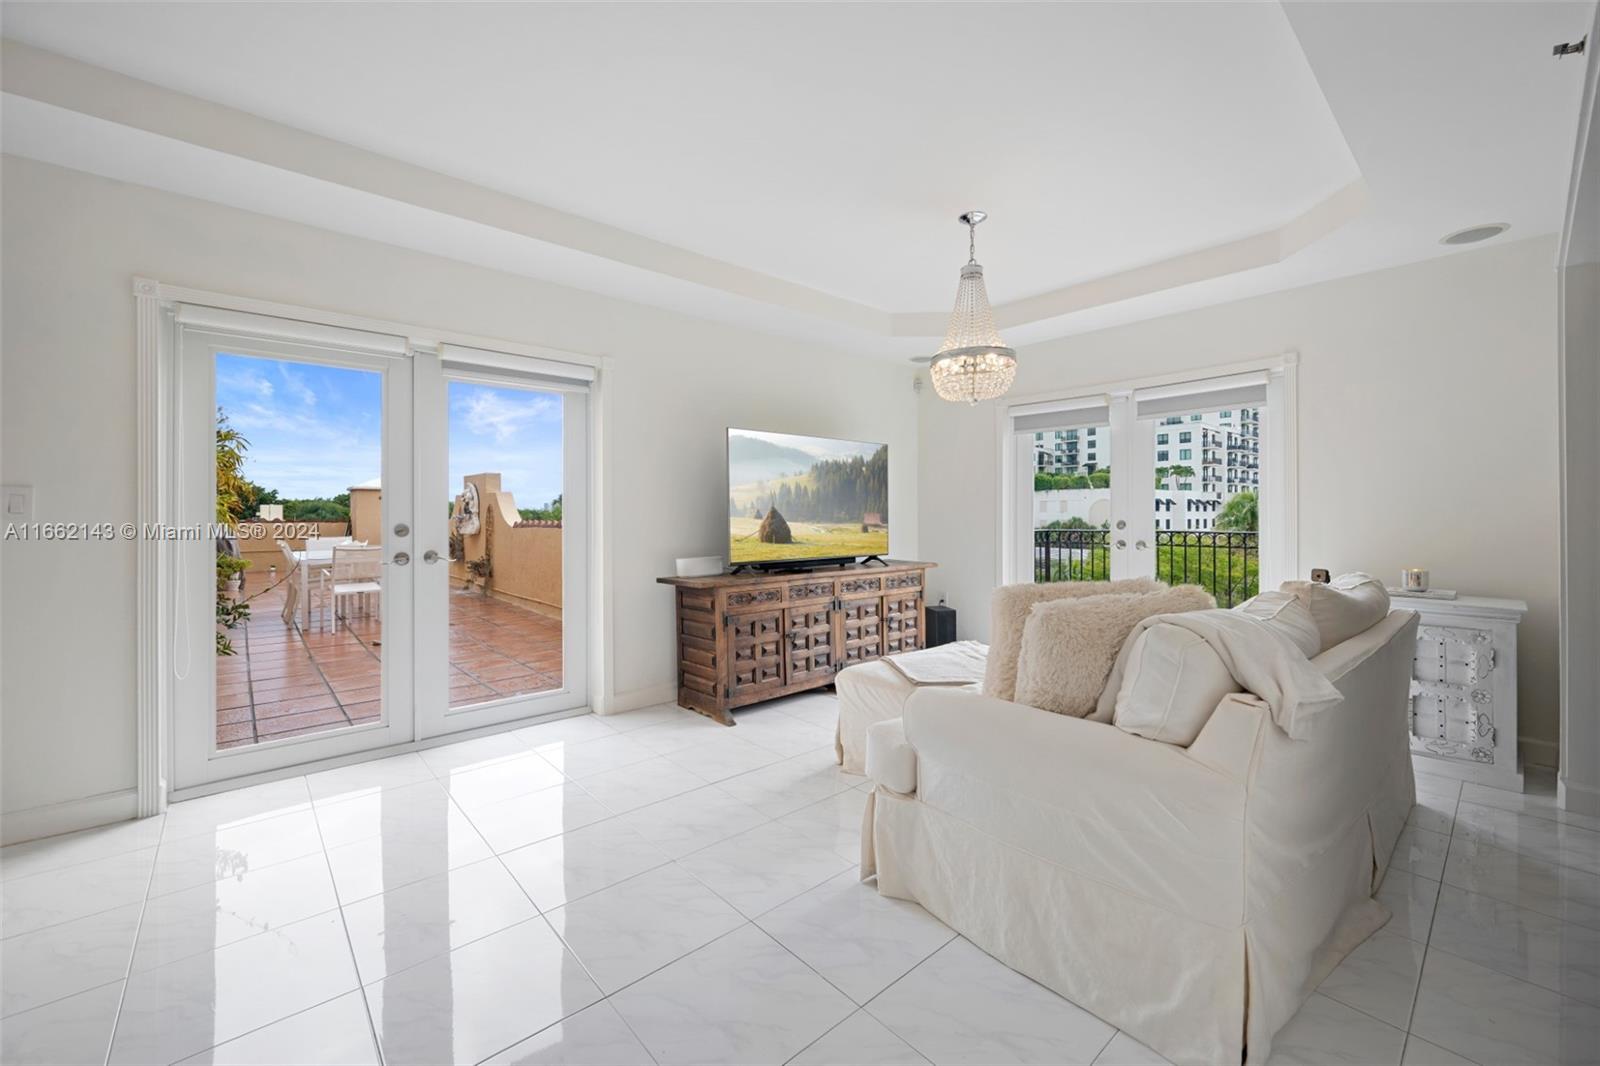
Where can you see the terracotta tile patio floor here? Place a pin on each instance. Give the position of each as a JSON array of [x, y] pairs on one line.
[[285, 683]]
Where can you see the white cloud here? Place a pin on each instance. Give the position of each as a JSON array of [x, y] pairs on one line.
[[502, 415], [297, 385]]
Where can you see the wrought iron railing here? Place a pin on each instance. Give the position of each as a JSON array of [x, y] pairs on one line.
[[1071, 555], [1224, 562]]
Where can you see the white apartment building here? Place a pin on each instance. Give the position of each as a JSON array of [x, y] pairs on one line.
[[1189, 512], [1223, 448], [1072, 451]]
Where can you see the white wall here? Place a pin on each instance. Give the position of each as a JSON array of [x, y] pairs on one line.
[[1428, 435], [72, 245]]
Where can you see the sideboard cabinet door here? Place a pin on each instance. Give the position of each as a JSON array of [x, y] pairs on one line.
[[755, 652], [810, 640]]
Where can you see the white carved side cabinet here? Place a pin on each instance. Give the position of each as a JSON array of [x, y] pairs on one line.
[[1463, 710]]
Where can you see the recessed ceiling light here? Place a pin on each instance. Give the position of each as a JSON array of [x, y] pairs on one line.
[[1474, 234]]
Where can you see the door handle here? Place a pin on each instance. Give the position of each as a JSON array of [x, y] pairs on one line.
[[401, 558], [1141, 545], [430, 556], [1122, 544]]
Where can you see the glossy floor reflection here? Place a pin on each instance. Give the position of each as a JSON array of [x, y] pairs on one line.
[[652, 887]]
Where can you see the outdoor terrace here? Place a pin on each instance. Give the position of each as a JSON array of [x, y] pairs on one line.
[[284, 682]]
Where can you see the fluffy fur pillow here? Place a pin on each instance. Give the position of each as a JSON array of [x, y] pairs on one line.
[[1008, 613], [1069, 646], [1352, 604]]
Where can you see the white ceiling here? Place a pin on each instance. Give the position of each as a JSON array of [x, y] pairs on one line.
[[799, 167]]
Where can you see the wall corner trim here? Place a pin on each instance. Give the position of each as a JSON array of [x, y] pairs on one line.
[[148, 686]]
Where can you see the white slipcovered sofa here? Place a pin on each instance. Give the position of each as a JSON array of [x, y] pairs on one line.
[[1193, 897]]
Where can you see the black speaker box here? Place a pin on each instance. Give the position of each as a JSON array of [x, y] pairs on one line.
[[941, 623]]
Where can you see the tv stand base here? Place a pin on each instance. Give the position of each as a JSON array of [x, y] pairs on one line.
[[758, 636]]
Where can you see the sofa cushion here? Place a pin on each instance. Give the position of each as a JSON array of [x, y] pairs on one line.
[[1008, 613], [1068, 646], [1286, 613], [1352, 604], [891, 760], [1174, 680]]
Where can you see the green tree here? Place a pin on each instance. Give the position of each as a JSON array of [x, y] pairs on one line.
[[1048, 482], [1240, 512], [1100, 479], [1181, 472], [234, 493], [321, 509], [259, 496], [1161, 476], [1231, 574], [1053, 482], [551, 512], [234, 496]]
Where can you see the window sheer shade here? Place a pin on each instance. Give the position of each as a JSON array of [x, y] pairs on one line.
[[1046, 417], [1215, 394], [246, 327], [461, 363]]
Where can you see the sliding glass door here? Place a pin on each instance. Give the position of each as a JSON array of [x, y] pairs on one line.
[[373, 543], [1174, 482]]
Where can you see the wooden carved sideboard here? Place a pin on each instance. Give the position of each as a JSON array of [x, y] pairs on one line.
[[752, 637]]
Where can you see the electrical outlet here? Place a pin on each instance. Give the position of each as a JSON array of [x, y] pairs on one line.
[[18, 503]]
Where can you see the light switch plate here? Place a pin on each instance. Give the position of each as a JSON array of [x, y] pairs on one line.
[[16, 503]]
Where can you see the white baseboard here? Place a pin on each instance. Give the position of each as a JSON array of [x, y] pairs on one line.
[[69, 816], [1536, 752], [639, 697], [1579, 799]]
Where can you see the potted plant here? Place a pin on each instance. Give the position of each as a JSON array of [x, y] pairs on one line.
[[478, 572]]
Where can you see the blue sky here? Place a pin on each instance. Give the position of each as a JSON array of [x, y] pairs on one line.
[[316, 430], [516, 432]]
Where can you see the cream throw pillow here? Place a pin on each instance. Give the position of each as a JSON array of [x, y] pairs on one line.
[[1284, 612], [1008, 613], [1068, 646], [1173, 681], [1352, 604]]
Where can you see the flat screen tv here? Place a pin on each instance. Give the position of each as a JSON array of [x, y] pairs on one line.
[[794, 499]]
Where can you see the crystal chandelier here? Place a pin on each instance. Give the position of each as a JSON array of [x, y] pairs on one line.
[[973, 363]]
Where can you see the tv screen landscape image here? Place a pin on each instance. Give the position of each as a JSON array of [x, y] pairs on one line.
[[792, 498]]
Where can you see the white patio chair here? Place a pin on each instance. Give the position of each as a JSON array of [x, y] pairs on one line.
[[291, 597], [356, 573], [322, 544]]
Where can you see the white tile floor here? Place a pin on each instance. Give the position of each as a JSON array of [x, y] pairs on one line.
[[652, 887]]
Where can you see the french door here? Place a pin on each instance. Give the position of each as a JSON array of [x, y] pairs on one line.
[[373, 543], [1188, 482], [503, 581]]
